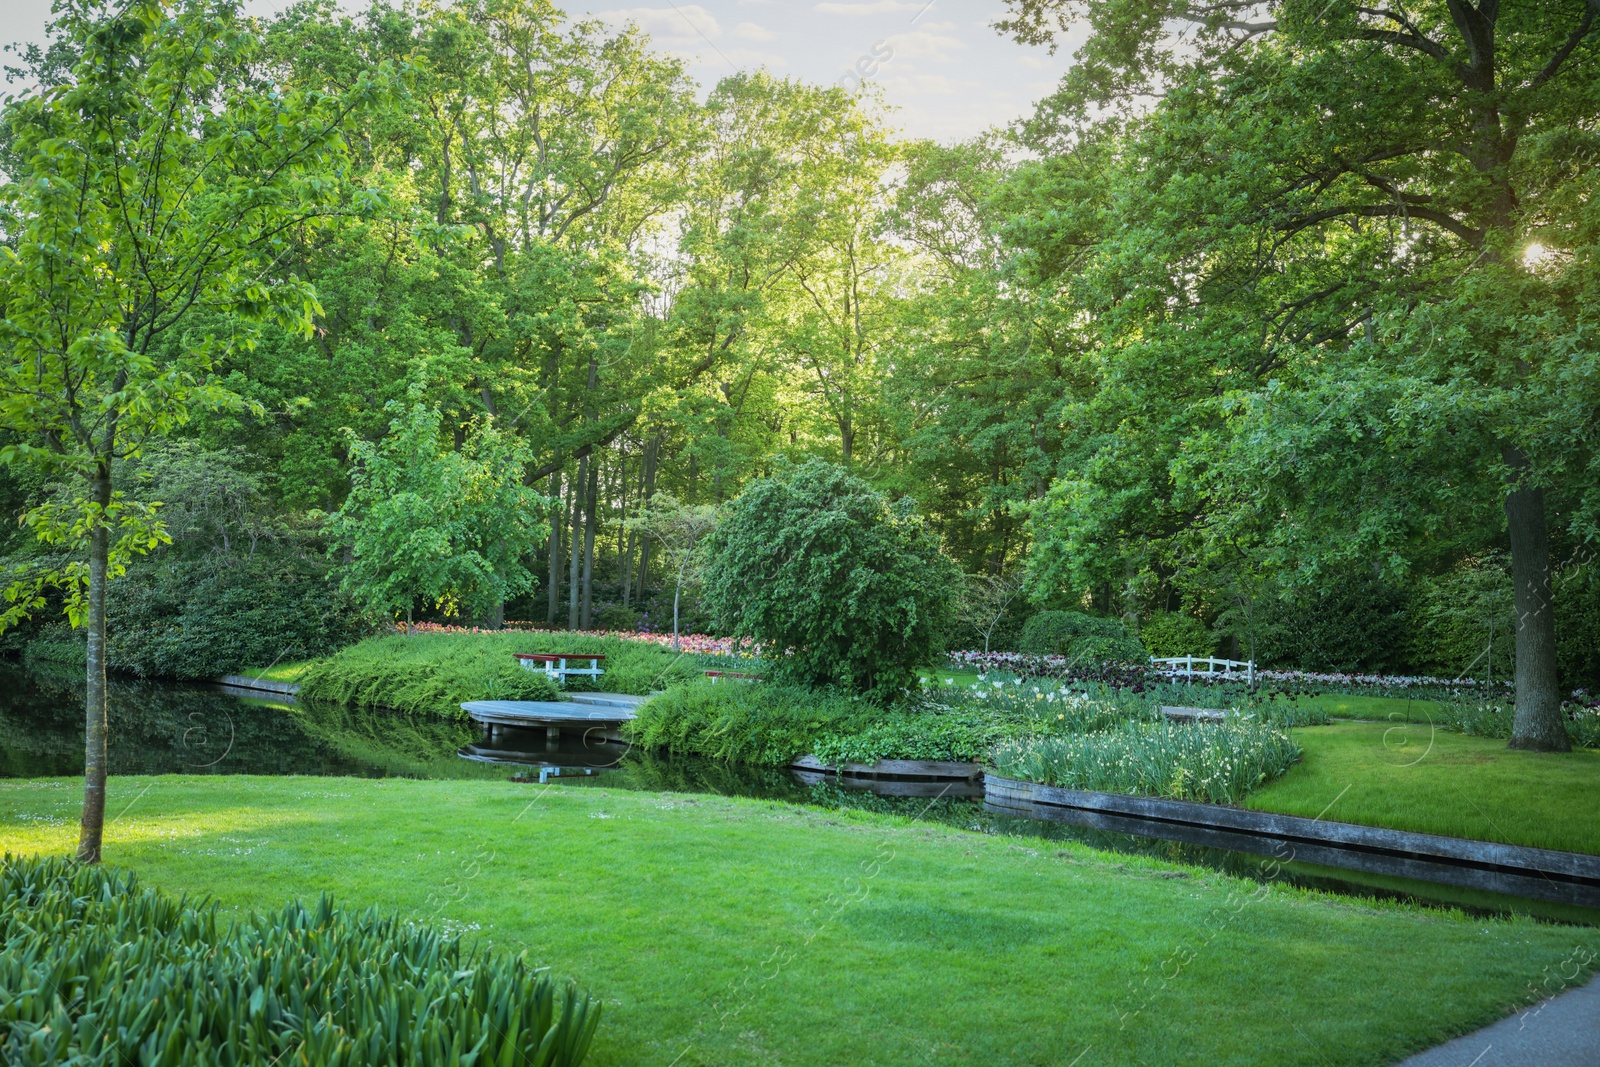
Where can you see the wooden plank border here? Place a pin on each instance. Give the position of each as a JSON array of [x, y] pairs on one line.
[[264, 685], [893, 768], [1546, 874]]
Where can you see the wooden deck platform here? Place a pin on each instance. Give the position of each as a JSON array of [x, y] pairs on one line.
[[604, 712]]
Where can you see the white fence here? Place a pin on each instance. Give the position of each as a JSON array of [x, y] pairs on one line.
[[1185, 665]]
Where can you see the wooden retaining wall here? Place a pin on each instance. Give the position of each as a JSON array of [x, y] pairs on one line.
[[1538, 873], [894, 768], [264, 685]]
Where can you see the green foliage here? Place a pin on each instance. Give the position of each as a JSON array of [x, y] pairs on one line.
[[426, 522], [838, 584], [100, 271], [1358, 623], [435, 673], [218, 614], [1084, 639], [423, 673], [96, 965], [1218, 763], [761, 723], [772, 724], [1577, 607], [1175, 633], [1458, 612]]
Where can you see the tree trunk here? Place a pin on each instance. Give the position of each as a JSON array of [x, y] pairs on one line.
[[574, 544], [652, 452], [556, 522], [591, 505], [677, 591], [624, 536], [1539, 724], [92, 826]]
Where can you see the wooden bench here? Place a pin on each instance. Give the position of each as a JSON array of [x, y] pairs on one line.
[[742, 676], [555, 664]]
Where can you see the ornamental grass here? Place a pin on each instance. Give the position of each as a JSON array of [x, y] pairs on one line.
[[1216, 763], [95, 970]]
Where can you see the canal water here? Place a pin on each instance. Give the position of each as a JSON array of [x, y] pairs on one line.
[[166, 728]]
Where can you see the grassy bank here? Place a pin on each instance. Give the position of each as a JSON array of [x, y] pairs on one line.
[[731, 932], [1417, 777], [279, 672], [434, 673]]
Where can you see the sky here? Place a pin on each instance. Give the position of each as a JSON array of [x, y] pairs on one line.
[[942, 69]]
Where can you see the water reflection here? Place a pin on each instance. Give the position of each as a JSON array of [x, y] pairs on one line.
[[160, 728], [163, 728]]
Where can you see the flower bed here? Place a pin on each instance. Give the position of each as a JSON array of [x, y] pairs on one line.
[[698, 644], [1141, 677], [1216, 763]]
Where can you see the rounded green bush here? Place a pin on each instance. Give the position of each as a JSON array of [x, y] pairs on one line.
[[1081, 638], [837, 584], [1174, 633]]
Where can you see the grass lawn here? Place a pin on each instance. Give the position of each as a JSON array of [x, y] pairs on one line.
[[721, 931], [279, 672], [928, 674], [1416, 777], [1389, 709]]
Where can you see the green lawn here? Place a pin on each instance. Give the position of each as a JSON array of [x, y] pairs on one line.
[[721, 931], [1389, 709], [1416, 777]]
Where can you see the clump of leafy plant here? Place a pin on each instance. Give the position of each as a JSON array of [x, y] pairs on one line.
[[437, 672], [840, 586], [1215, 762], [1087, 639], [97, 970], [766, 724]]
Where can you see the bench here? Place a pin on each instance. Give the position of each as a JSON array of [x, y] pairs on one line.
[[742, 676], [555, 664]]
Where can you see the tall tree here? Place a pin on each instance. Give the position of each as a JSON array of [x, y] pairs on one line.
[[424, 521], [148, 189], [1319, 290]]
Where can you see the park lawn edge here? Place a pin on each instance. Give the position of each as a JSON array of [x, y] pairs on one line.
[[158, 850]]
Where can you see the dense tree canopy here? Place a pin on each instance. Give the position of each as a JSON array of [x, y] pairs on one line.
[[1272, 312]]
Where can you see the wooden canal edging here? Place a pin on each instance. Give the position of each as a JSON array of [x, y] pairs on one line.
[[264, 685], [1518, 870], [896, 777], [893, 768]]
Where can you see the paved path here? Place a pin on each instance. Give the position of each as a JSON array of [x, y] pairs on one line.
[[1562, 1031]]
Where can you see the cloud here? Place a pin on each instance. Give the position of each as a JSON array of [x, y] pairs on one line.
[[877, 7], [924, 45], [689, 24], [749, 31]]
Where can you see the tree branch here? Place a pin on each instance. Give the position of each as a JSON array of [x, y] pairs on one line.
[[1472, 236]]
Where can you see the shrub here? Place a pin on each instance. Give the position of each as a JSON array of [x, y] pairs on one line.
[[1217, 763], [1455, 612], [219, 614], [764, 724], [138, 975], [1081, 638], [838, 585], [437, 672], [1358, 624], [1175, 633]]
